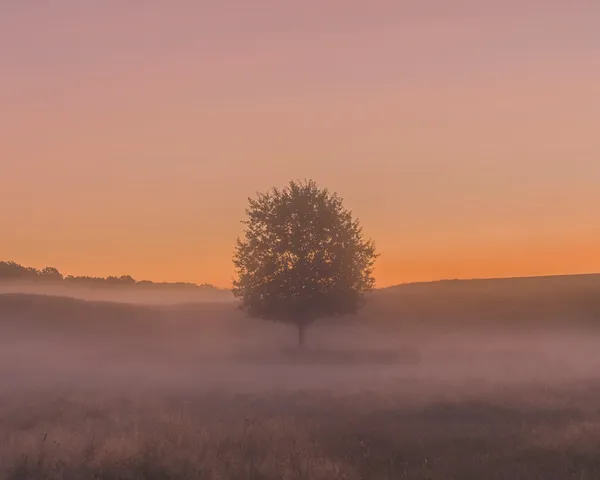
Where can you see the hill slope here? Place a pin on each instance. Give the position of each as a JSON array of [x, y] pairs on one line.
[[565, 299]]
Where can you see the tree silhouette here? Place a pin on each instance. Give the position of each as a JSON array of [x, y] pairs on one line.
[[50, 273], [302, 257], [12, 271]]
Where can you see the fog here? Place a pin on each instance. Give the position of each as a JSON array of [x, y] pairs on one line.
[[136, 294], [54, 342], [411, 388]]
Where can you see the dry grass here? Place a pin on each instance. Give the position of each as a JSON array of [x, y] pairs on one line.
[[308, 435]]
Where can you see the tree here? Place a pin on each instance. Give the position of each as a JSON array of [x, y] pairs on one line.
[[14, 271], [50, 273], [127, 280], [302, 257]]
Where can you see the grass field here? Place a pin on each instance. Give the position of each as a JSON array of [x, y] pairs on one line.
[[103, 391], [545, 434]]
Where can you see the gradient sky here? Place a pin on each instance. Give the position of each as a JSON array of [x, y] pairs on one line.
[[464, 134]]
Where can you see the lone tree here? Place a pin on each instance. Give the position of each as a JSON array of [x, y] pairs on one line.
[[302, 257]]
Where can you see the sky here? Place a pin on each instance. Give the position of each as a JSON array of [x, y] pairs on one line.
[[464, 135]]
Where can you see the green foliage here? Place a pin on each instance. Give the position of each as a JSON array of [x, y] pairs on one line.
[[302, 256]]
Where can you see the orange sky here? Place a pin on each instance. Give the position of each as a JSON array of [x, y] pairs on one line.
[[467, 139]]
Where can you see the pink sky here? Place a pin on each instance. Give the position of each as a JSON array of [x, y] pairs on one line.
[[465, 135]]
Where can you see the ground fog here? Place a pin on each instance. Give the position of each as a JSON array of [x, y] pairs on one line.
[[112, 391]]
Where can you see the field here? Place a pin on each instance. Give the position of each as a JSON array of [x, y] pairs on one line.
[[108, 391]]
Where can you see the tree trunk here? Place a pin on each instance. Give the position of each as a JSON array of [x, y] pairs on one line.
[[301, 335]]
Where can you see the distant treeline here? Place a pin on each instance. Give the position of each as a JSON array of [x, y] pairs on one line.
[[12, 271]]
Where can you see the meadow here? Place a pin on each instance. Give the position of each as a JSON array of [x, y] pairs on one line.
[[96, 390]]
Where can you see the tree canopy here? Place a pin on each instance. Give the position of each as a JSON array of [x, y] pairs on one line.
[[302, 256], [12, 271]]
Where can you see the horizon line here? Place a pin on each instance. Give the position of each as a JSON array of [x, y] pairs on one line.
[[419, 282]]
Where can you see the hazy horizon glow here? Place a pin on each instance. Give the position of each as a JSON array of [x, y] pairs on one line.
[[465, 138]]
